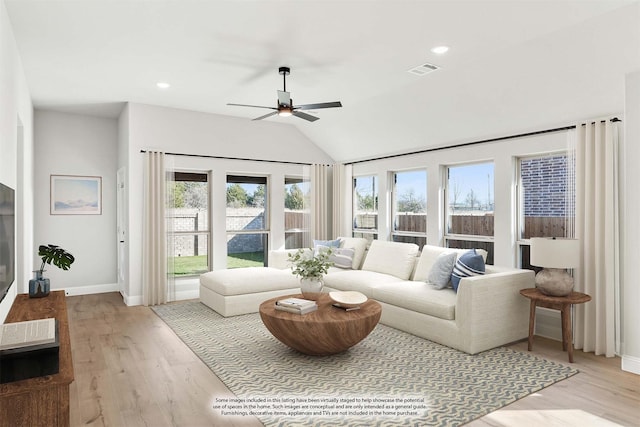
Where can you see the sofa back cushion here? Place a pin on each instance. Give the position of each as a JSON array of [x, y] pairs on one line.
[[359, 246], [394, 258]]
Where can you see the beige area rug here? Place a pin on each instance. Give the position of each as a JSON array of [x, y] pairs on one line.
[[390, 379]]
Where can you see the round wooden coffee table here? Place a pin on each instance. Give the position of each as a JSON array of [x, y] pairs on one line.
[[328, 330]]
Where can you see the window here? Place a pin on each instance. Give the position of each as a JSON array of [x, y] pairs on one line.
[[296, 213], [546, 200], [469, 193], [189, 224], [247, 230], [410, 207], [365, 207]]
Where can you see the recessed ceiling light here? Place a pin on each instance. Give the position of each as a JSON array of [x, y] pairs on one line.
[[163, 85], [440, 49]]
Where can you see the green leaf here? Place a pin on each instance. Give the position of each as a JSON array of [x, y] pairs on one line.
[[56, 255]]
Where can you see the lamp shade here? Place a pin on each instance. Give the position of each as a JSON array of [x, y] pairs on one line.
[[554, 252]]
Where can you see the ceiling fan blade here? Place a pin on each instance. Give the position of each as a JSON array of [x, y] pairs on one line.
[[284, 98], [305, 116], [254, 106], [320, 105], [265, 116]]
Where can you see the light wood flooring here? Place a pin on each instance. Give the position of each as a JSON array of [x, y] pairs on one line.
[[132, 370]]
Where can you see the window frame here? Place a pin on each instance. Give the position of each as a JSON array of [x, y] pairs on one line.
[[305, 231], [368, 233], [265, 232], [523, 243], [173, 234], [487, 242], [394, 208]]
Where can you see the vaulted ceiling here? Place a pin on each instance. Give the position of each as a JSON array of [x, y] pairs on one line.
[[512, 66]]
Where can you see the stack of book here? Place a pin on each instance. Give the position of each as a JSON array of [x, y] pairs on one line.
[[296, 305]]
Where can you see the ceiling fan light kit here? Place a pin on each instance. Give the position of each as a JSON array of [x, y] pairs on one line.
[[285, 107]]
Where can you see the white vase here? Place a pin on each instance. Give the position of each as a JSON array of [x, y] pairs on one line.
[[311, 287]]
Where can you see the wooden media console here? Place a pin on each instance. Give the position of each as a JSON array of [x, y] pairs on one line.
[[40, 401]]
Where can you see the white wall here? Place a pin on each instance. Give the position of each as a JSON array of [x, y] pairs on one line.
[[72, 144], [179, 131], [630, 227], [16, 152]]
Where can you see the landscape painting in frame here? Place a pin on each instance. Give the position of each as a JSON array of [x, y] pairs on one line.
[[76, 195]]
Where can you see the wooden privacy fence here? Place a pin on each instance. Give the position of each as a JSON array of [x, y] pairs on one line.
[[477, 225]]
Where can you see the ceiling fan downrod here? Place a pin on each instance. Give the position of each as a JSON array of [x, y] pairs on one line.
[[285, 71]]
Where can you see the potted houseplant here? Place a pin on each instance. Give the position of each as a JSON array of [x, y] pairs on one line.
[[311, 266], [40, 286]]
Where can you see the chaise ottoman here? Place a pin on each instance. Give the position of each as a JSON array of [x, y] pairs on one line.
[[241, 290]]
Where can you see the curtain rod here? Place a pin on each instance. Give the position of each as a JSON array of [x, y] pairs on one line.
[[466, 144], [234, 158]]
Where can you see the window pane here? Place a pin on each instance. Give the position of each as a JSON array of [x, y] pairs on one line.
[[470, 204], [246, 250], [190, 254], [296, 213], [188, 243], [369, 236], [365, 200], [246, 204], [548, 197], [471, 244], [420, 241], [410, 207]]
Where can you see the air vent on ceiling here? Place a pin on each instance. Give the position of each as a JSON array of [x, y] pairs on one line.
[[423, 69]]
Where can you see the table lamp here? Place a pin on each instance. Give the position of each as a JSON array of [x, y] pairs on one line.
[[554, 255]]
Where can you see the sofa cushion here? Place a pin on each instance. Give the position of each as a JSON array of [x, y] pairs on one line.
[[469, 264], [358, 280], [419, 297], [427, 259], [359, 245], [440, 274], [239, 281], [395, 258]]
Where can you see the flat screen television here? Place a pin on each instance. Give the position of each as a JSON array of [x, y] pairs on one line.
[[7, 239]]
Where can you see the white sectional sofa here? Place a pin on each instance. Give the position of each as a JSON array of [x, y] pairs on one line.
[[486, 311]]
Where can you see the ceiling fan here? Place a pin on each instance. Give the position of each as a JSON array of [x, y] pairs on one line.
[[285, 105]]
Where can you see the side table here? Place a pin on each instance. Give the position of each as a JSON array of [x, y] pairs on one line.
[[538, 299]]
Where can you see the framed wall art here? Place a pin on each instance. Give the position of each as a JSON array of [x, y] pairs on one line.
[[76, 195]]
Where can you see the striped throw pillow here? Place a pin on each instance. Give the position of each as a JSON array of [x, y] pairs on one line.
[[469, 264]]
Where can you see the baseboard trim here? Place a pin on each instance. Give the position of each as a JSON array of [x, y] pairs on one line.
[[92, 289], [131, 300], [631, 364], [190, 294], [180, 296]]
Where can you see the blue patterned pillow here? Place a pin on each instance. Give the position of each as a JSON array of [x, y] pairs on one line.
[[469, 264], [322, 245]]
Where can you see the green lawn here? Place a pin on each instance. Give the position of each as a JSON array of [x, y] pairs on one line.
[[247, 259], [194, 265]]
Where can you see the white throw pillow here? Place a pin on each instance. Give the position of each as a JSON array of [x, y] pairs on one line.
[[440, 273], [395, 258]]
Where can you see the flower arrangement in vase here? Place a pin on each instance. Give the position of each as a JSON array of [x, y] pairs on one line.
[[311, 266]]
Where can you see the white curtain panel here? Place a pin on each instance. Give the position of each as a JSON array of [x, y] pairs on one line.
[[597, 229], [154, 230], [319, 197], [342, 210]]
